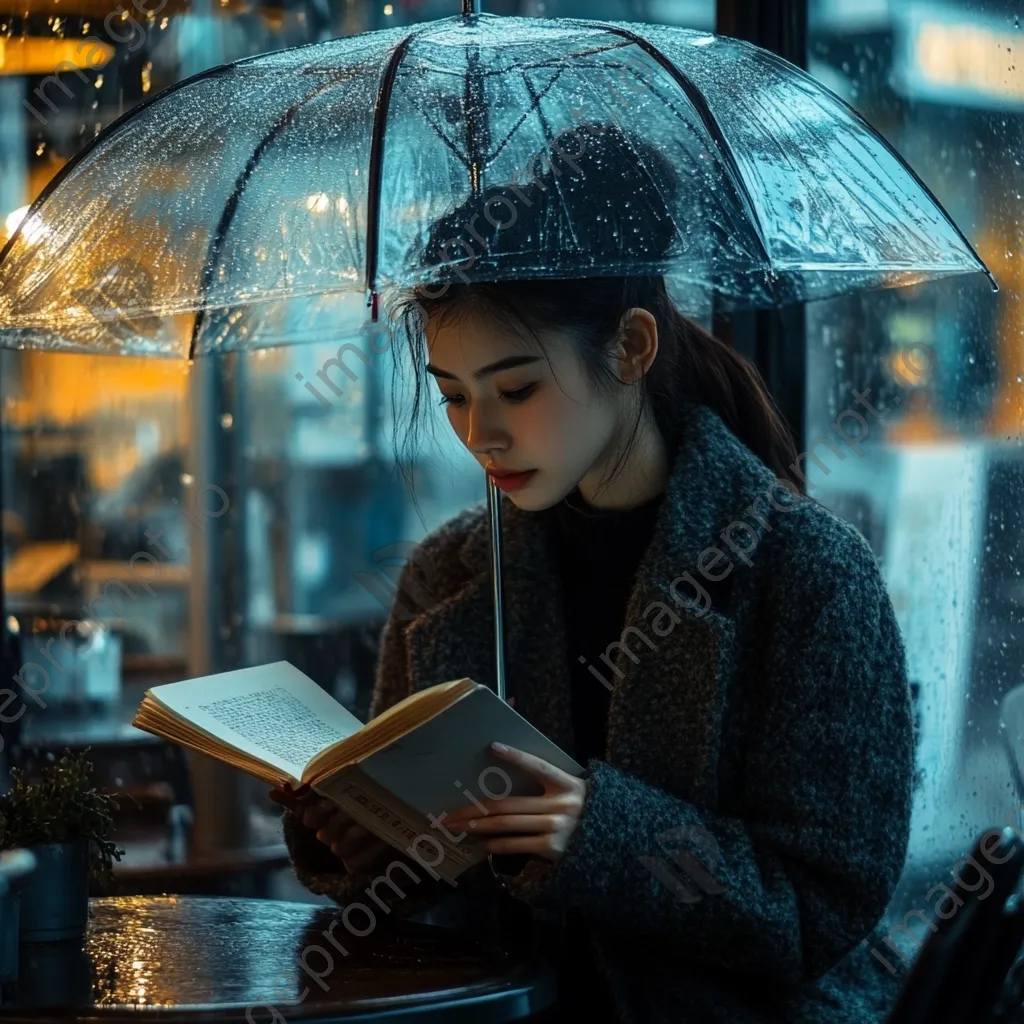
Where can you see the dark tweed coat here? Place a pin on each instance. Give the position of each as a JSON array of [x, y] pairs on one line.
[[778, 720]]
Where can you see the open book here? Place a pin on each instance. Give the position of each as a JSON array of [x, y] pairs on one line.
[[423, 757]]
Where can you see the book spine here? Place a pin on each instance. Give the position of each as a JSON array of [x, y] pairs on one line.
[[389, 818]]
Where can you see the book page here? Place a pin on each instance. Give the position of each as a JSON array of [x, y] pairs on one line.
[[272, 712]]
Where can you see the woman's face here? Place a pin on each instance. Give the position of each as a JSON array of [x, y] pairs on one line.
[[529, 416]]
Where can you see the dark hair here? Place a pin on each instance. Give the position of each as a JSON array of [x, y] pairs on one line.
[[615, 209]]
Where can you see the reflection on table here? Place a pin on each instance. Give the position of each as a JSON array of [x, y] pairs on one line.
[[194, 958]]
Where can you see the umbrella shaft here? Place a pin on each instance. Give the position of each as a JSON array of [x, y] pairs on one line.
[[494, 510], [470, 7]]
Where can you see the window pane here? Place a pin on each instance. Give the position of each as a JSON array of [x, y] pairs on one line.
[[938, 483], [97, 452], [113, 468]]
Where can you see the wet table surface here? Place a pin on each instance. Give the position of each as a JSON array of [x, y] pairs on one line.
[[189, 958]]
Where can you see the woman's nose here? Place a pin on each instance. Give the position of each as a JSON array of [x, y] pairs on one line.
[[485, 435]]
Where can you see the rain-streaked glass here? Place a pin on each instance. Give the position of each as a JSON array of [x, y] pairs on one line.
[[248, 184], [108, 452], [934, 476], [108, 459]]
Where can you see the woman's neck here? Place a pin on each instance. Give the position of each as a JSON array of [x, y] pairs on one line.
[[643, 476]]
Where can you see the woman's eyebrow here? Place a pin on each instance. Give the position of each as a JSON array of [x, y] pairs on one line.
[[485, 371]]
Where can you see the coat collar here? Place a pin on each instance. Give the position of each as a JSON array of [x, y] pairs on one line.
[[714, 482]]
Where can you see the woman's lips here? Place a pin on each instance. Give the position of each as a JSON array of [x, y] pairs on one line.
[[512, 483]]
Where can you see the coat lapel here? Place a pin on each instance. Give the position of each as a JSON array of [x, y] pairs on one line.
[[456, 637], [671, 672]]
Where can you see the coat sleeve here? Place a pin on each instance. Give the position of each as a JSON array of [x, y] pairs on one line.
[[315, 866], [808, 868]]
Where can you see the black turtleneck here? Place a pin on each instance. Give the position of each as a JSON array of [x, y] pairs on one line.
[[599, 551]]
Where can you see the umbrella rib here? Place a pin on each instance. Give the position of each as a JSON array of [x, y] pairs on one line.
[[653, 88], [384, 94], [546, 63], [714, 129], [560, 62], [230, 208], [463, 159], [448, 142], [380, 117], [859, 119], [654, 183], [103, 136], [535, 99], [534, 105], [477, 122]]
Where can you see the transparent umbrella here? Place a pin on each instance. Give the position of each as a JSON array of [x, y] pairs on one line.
[[183, 226]]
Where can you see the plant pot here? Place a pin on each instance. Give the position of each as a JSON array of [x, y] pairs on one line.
[[14, 865], [54, 974], [55, 897]]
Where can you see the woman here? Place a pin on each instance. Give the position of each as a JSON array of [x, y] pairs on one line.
[[717, 648]]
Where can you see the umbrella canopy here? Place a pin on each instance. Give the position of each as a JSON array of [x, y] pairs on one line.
[[251, 204], [315, 174]]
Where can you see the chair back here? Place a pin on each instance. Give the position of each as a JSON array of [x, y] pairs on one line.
[[1011, 732], [960, 970]]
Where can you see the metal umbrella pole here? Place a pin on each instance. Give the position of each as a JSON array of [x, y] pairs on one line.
[[477, 137], [477, 133], [494, 511]]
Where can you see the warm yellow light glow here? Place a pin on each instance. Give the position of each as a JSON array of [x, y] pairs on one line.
[[389, 10], [318, 203], [910, 368], [14, 218], [971, 57], [30, 55]]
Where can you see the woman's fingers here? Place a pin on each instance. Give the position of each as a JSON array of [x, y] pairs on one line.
[[349, 841], [348, 836], [284, 794], [316, 814], [333, 828], [544, 771], [524, 824], [538, 846], [554, 803], [367, 855]]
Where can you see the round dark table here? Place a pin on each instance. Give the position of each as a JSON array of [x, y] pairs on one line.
[[205, 959]]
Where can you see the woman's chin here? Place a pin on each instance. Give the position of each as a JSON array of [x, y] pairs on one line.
[[527, 502], [530, 498]]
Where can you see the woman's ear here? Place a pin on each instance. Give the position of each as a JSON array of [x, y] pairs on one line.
[[638, 344]]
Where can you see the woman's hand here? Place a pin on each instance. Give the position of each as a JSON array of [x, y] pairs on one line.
[[541, 825], [356, 847]]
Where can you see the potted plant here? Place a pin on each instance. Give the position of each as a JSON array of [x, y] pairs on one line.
[[14, 864], [66, 824]]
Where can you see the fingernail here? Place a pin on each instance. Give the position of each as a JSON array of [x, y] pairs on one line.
[[499, 747]]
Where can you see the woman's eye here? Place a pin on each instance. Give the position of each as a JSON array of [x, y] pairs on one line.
[[519, 395]]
